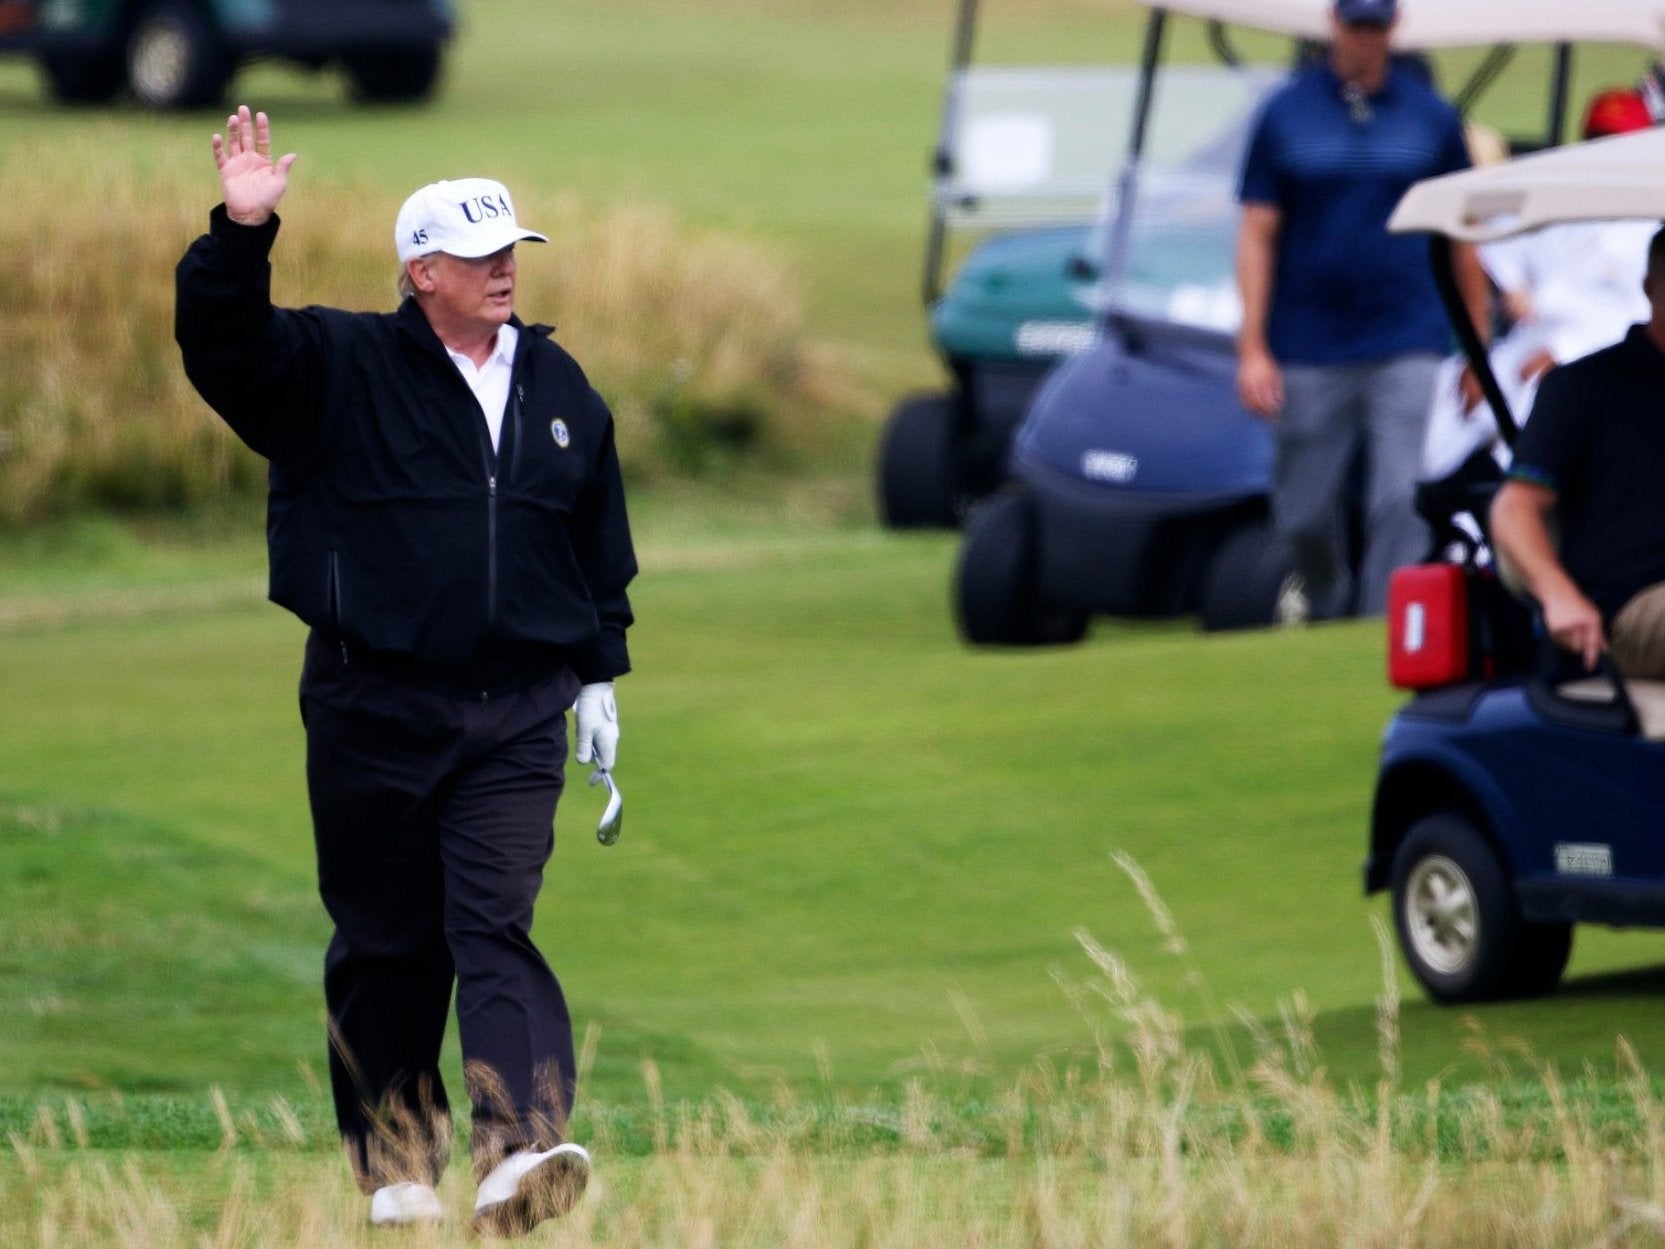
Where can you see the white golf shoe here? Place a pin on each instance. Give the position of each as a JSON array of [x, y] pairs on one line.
[[530, 1186], [1294, 607], [405, 1205]]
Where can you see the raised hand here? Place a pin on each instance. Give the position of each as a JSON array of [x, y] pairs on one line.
[[250, 179]]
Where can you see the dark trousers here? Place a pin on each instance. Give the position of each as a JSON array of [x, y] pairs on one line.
[[433, 813]]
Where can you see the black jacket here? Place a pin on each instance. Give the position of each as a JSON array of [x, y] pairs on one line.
[[391, 522]]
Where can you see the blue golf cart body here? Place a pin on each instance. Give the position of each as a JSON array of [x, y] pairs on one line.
[[1019, 175], [1513, 805], [1517, 795], [1572, 796]]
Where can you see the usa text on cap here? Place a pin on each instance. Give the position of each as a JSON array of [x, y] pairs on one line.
[[466, 217]]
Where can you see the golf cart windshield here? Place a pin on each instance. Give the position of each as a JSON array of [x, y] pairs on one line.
[[1178, 208], [1022, 149], [1031, 147]]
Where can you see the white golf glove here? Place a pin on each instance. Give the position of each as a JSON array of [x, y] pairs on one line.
[[598, 725]]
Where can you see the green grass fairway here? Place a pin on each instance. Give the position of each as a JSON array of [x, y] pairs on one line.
[[854, 850]]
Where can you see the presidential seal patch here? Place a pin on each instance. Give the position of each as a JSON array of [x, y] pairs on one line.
[[559, 429]]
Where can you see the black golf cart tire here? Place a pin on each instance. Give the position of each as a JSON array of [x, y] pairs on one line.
[[1505, 957], [75, 78], [1545, 950], [919, 470], [174, 57], [398, 77], [1247, 575], [996, 601]]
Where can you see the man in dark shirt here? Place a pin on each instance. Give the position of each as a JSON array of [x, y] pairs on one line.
[[1343, 330], [1590, 456]]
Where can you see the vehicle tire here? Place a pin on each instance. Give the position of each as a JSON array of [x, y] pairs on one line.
[[77, 79], [1459, 930], [393, 77], [1250, 583], [174, 57], [1545, 950], [996, 601], [920, 473]]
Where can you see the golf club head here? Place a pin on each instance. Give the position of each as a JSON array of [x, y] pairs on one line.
[[612, 819]]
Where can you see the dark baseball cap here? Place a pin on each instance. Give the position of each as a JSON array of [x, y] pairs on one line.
[[1375, 12]]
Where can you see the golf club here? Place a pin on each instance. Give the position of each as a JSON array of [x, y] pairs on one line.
[[612, 819]]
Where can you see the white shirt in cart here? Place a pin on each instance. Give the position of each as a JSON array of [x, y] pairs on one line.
[[1577, 288]]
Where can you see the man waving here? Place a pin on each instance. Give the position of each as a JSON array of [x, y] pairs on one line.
[[446, 514]]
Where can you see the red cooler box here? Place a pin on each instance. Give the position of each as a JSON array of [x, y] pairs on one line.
[[1428, 626]]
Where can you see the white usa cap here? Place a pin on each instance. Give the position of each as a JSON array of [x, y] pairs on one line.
[[466, 217]]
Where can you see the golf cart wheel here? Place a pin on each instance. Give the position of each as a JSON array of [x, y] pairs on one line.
[[1250, 583], [77, 79], [919, 464], [174, 57], [1458, 927], [394, 77], [996, 600]]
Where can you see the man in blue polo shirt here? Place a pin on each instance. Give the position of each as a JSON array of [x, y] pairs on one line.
[[1343, 329]]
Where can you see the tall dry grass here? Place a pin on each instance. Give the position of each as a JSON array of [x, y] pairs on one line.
[[697, 339], [1150, 1144], [1136, 1171]]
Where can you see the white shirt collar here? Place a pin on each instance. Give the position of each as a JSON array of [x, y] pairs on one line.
[[507, 337], [502, 352]]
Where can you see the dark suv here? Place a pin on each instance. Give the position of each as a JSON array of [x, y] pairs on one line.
[[182, 53]]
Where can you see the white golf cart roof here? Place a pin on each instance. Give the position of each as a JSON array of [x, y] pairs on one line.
[[1615, 179], [1455, 23]]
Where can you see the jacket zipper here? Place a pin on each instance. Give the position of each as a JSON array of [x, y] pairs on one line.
[[335, 602], [514, 423], [492, 465], [490, 459], [491, 549]]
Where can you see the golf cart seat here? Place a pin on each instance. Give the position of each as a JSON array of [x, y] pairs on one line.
[[1641, 706], [1647, 699]]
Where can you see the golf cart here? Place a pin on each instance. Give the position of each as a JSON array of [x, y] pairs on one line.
[[1517, 795], [1139, 485], [172, 54], [1020, 174]]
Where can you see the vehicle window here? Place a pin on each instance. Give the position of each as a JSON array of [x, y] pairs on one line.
[[1034, 146], [1180, 223]]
